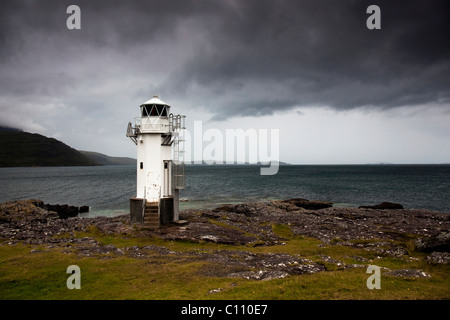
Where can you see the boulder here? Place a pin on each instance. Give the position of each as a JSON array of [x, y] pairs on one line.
[[64, 211], [247, 209], [310, 205], [408, 273], [438, 258], [259, 275], [24, 210], [440, 242], [383, 205]]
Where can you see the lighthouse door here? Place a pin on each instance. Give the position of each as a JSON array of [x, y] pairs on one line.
[[153, 187], [167, 179]]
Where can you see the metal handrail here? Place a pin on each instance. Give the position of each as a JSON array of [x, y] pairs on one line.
[[143, 204], [151, 125]]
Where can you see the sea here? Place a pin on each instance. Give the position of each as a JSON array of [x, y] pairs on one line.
[[107, 189]]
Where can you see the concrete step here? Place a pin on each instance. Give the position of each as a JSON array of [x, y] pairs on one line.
[[151, 215], [151, 221], [151, 226], [151, 204]]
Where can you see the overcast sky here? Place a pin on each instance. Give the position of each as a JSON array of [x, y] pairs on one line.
[[337, 91]]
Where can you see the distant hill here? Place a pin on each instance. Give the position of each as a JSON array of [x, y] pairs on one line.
[[8, 129], [107, 160], [23, 149]]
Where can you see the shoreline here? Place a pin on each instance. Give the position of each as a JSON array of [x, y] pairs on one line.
[[207, 205], [317, 219], [357, 185]]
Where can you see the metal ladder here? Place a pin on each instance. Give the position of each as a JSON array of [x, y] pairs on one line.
[[177, 126]]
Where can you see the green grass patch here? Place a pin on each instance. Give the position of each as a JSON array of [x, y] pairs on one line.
[[282, 230], [39, 272]]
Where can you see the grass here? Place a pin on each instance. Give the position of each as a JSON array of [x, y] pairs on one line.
[[39, 272], [282, 230]]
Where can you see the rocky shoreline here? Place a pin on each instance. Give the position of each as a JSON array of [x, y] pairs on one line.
[[381, 231]]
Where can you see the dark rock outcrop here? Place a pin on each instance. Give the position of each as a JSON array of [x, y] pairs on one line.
[[28, 221], [384, 205], [440, 242], [307, 204], [253, 224], [254, 208], [64, 211]]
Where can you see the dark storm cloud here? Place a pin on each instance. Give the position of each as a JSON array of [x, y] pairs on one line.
[[238, 57], [321, 53]]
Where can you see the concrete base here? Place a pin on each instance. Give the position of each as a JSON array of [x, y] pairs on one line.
[[165, 210], [137, 210]]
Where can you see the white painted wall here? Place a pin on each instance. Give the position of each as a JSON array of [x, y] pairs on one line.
[[149, 152]]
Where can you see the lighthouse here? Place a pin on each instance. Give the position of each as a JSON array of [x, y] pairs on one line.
[[159, 137]]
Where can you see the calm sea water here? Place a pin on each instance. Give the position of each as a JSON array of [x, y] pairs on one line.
[[107, 189]]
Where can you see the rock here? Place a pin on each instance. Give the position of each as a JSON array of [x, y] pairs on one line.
[[215, 290], [408, 273], [358, 258], [328, 259], [440, 242], [224, 207], [28, 221], [210, 237], [306, 268], [438, 258], [383, 205], [393, 251], [355, 265], [64, 211], [214, 214], [310, 205], [246, 225], [248, 209], [259, 275]]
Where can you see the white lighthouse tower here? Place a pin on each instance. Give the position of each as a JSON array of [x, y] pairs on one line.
[[158, 135]]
